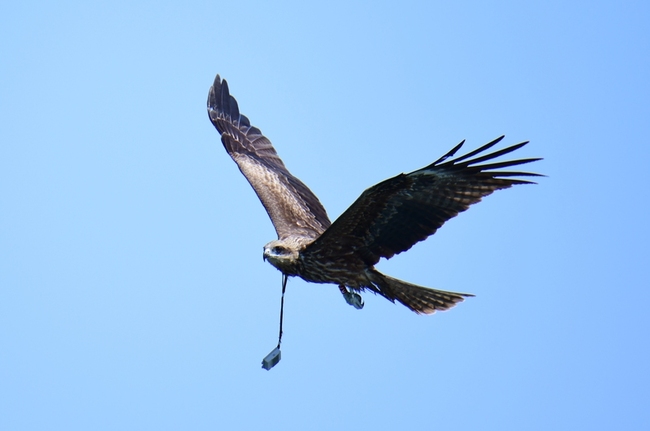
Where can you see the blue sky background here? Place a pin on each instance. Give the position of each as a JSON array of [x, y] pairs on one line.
[[133, 295]]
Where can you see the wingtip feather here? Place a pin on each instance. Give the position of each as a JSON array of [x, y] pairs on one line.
[[449, 153]]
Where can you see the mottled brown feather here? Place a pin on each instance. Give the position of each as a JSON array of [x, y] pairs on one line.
[[422, 300], [293, 208]]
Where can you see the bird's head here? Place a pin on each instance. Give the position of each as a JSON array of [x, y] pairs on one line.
[[283, 255]]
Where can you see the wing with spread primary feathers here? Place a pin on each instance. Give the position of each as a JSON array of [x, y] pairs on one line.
[[391, 216], [293, 208]]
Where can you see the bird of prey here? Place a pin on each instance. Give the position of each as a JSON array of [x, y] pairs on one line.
[[387, 219]]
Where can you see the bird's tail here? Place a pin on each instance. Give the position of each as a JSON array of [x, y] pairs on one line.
[[422, 300]]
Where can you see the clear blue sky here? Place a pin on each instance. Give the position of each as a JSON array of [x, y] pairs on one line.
[[133, 294]]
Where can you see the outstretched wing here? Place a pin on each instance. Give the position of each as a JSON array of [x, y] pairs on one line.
[[293, 208], [391, 216]]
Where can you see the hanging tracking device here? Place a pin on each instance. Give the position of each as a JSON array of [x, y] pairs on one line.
[[274, 357]]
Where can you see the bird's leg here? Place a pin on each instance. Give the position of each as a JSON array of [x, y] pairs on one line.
[[352, 298]]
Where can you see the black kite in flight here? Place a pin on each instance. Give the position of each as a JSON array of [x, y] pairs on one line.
[[386, 219]]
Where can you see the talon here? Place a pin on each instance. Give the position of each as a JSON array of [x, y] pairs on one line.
[[352, 298]]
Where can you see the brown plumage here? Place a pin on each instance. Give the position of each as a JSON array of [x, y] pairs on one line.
[[386, 219]]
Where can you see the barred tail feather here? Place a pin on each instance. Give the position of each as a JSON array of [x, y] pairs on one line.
[[422, 300]]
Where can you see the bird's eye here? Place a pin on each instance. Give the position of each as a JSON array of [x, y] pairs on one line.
[[277, 250]]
